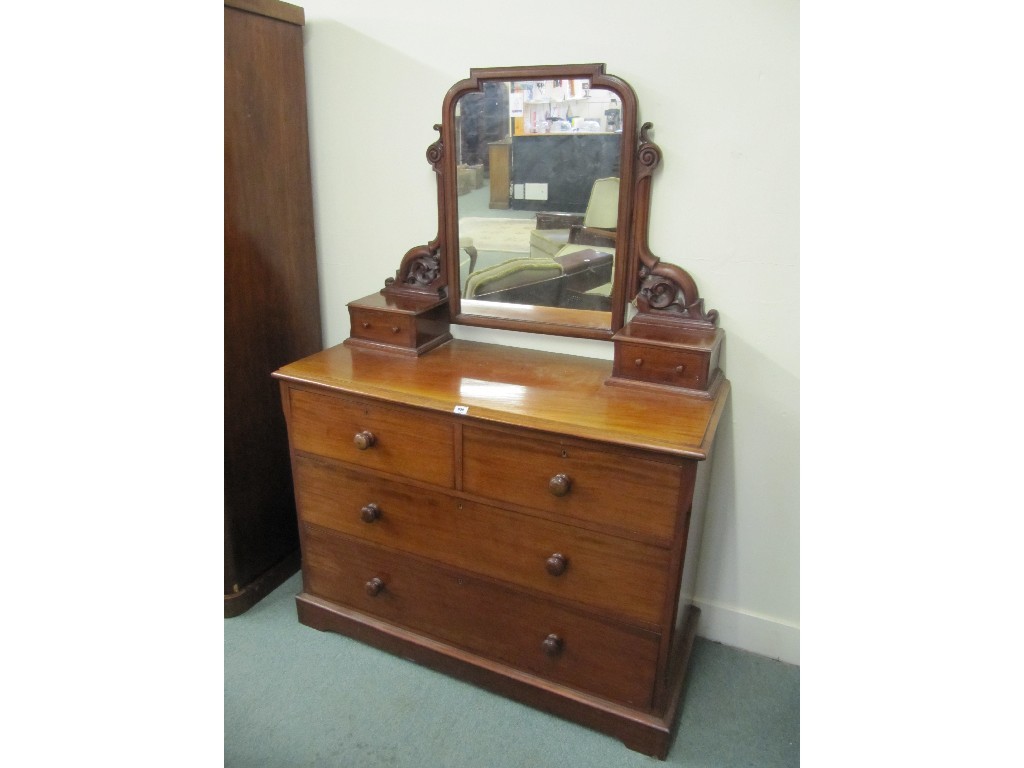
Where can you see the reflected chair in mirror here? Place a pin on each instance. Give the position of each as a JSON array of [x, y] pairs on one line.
[[467, 259], [559, 234], [587, 281]]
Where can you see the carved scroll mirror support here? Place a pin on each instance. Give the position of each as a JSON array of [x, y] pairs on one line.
[[672, 341]]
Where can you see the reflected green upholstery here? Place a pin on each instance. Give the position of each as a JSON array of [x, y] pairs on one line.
[[547, 242], [513, 273], [602, 212], [603, 206], [467, 260]]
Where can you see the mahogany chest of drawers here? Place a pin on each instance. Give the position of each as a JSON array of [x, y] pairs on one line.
[[504, 516]]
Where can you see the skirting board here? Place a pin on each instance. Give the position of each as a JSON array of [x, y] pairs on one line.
[[763, 635]]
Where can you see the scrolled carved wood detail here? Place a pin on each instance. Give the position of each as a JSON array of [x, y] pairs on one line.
[[422, 271], [663, 291], [435, 152]]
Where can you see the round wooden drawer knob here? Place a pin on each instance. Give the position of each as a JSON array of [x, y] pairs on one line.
[[556, 564], [364, 440], [560, 484], [552, 645], [374, 586], [370, 513]]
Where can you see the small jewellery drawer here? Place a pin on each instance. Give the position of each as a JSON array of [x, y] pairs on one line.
[[662, 365], [363, 432], [384, 327], [628, 492], [620, 576], [531, 634]]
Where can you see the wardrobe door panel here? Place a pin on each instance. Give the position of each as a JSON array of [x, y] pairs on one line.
[[271, 299]]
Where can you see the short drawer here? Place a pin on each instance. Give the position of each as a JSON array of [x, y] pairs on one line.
[[662, 365], [608, 659], [620, 576], [624, 490], [402, 441], [384, 327]]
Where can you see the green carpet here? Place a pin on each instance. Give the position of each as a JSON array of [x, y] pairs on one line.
[[295, 697]]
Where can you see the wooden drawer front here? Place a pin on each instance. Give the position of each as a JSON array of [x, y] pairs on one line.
[[610, 660], [615, 575], [633, 494], [384, 327], [404, 442], [662, 365]]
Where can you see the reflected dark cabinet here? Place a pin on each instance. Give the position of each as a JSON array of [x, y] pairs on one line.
[[271, 300], [500, 155], [566, 164], [484, 120]]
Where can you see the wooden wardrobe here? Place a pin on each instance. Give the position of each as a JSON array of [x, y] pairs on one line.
[[271, 299]]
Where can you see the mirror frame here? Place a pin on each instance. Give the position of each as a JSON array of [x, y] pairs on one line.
[[538, 319]]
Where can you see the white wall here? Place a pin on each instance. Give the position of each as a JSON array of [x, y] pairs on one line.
[[719, 80]]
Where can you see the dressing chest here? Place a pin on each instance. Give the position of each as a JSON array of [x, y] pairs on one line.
[[527, 521]]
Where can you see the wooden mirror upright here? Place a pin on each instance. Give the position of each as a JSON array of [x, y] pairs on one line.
[[527, 521]]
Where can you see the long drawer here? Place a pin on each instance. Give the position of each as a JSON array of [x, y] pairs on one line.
[[625, 577], [608, 659], [366, 433], [577, 481]]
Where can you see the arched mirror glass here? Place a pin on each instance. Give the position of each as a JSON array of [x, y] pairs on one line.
[[538, 190]]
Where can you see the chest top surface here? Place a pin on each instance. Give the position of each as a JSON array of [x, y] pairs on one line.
[[494, 384]]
